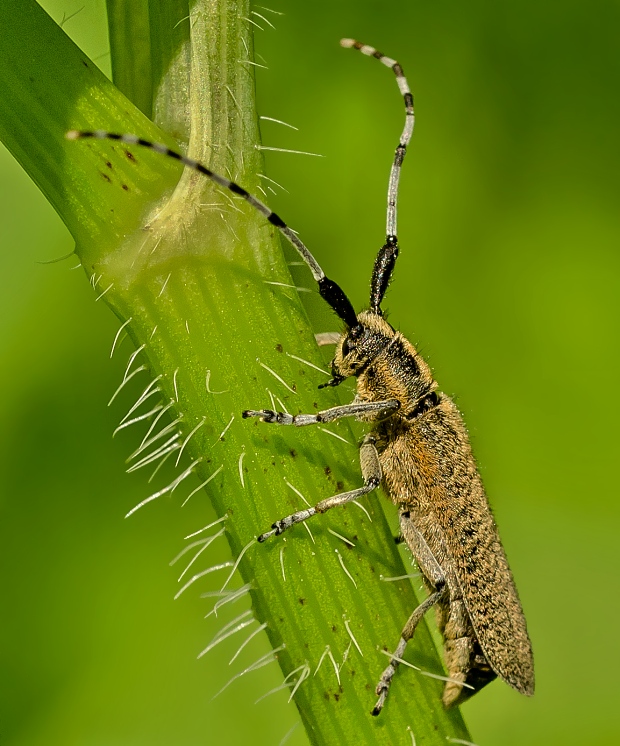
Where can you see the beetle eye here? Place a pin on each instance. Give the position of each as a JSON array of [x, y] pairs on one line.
[[346, 349]]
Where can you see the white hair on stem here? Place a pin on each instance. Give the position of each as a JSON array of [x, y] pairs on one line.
[[264, 660], [237, 624], [188, 438], [344, 567], [202, 574], [277, 377], [247, 640], [230, 597], [210, 525], [206, 543], [200, 486], [352, 636], [168, 489], [118, 334], [237, 561]]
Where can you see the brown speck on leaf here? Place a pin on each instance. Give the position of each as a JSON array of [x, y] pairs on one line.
[[302, 601], [293, 452], [327, 471], [106, 177], [125, 187], [131, 156], [340, 486], [279, 347]]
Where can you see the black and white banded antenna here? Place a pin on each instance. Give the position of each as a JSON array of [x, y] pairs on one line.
[[329, 290], [386, 259]]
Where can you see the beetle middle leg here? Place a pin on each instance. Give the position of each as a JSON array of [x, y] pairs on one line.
[[435, 575], [371, 472]]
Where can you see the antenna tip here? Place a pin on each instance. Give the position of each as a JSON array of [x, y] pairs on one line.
[[347, 43], [72, 135]]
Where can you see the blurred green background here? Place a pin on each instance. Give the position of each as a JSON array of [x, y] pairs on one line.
[[507, 281]]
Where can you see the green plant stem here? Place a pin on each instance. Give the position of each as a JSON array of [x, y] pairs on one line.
[[130, 51], [192, 268]]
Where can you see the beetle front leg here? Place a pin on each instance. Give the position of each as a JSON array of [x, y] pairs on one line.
[[354, 409]]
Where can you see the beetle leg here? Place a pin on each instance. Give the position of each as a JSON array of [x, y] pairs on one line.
[[436, 577], [371, 472], [354, 409]]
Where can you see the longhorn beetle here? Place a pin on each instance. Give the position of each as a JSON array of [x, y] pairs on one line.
[[419, 449]]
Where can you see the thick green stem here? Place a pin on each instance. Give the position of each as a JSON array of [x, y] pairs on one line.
[[203, 281], [130, 51]]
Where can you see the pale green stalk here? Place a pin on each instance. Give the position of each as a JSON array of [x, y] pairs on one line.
[[194, 270]]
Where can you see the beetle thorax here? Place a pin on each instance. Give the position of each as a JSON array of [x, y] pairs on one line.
[[386, 364]]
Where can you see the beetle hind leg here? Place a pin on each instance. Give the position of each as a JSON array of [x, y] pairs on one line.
[[386, 677], [435, 578]]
